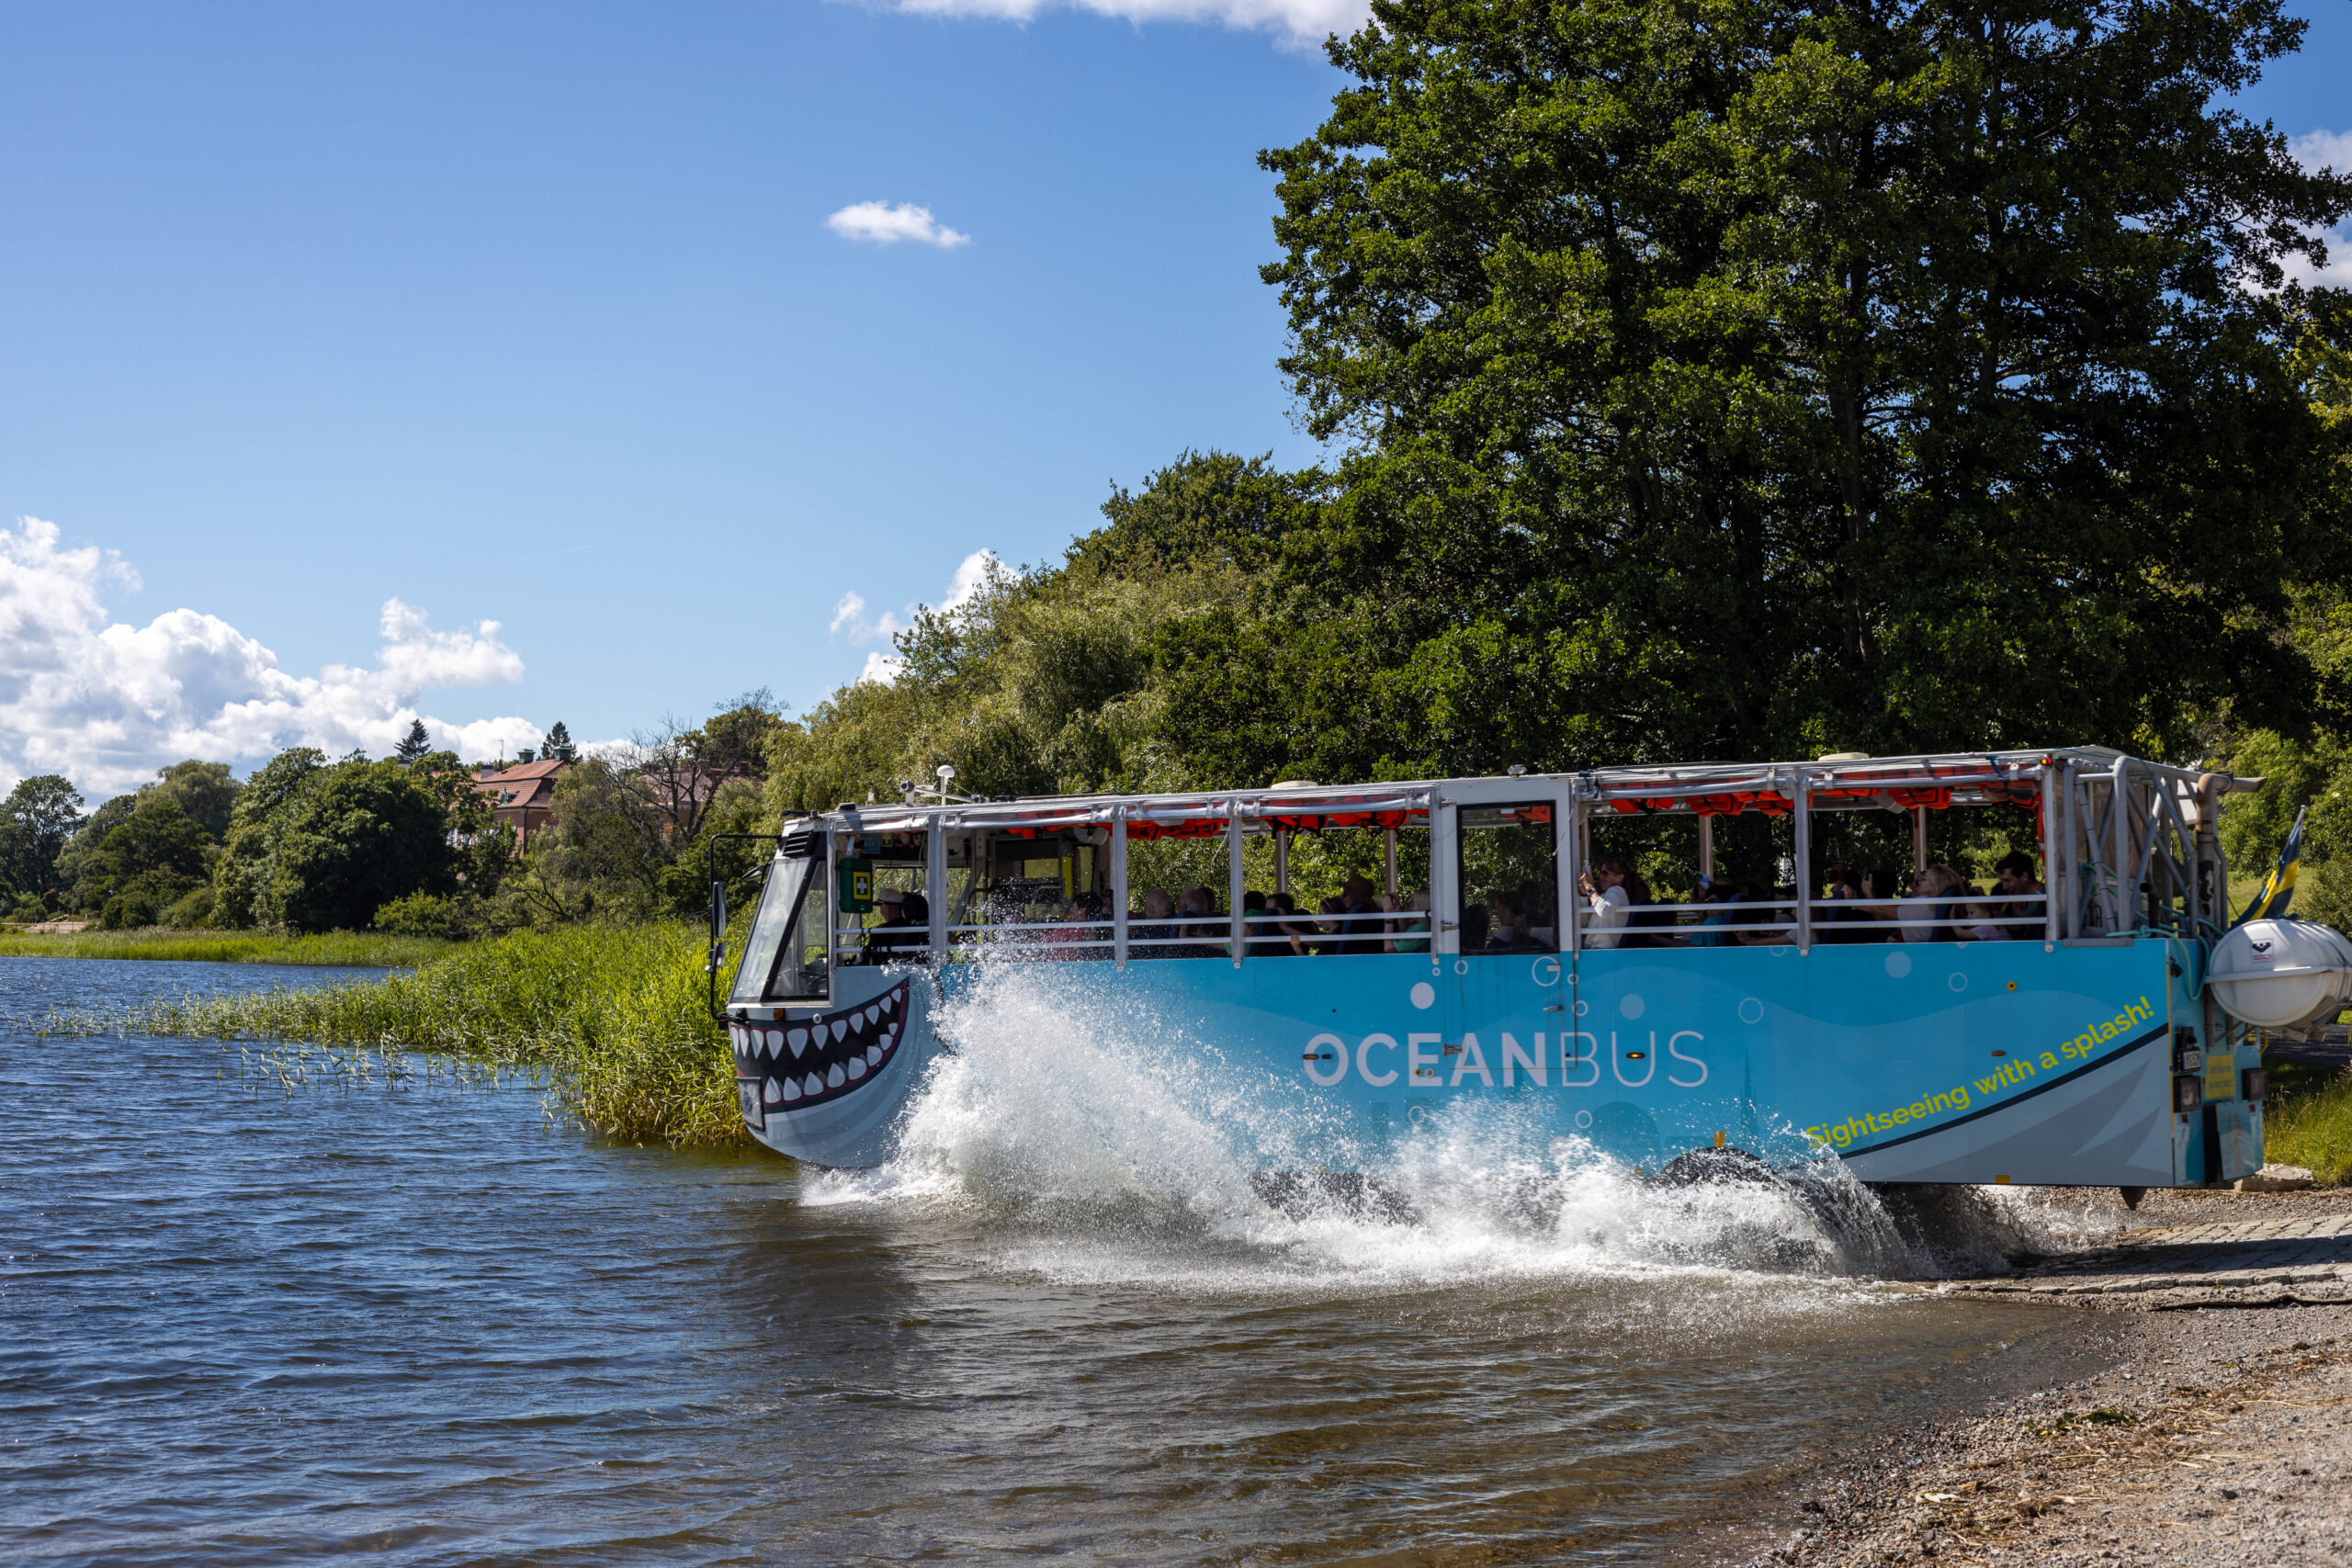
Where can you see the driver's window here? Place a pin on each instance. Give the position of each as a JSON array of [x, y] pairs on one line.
[[784, 959], [1510, 878]]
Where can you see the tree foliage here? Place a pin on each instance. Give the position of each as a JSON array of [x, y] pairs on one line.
[[1049, 679], [155, 857], [1726, 379], [316, 846], [37, 821]]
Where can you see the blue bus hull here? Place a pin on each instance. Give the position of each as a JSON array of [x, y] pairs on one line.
[[1957, 1063]]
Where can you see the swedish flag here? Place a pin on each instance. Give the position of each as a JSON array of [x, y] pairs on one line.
[[2278, 889]]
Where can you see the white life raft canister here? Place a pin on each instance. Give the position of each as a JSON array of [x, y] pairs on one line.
[[2281, 974]]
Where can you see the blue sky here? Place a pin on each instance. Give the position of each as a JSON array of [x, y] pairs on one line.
[[529, 314]]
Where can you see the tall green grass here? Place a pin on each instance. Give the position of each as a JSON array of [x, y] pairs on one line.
[[613, 1019], [2310, 1124], [361, 948]]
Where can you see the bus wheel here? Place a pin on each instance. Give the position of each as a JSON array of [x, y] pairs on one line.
[[1700, 1168]]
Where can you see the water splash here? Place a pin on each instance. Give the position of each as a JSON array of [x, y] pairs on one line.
[[1093, 1138]]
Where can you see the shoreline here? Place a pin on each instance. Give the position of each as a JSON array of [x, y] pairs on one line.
[[2220, 1430]]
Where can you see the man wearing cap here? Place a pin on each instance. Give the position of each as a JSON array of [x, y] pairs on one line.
[[884, 945]]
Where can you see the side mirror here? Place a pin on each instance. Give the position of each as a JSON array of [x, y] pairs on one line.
[[717, 927]]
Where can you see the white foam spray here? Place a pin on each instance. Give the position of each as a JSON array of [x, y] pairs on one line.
[[1096, 1139]]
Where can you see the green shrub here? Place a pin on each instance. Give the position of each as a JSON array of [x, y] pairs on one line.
[[193, 912], [427, 914]]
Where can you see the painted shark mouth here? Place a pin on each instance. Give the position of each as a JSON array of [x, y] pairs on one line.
[[791, 1066]]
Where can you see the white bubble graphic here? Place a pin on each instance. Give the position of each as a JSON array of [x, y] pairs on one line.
[[1898, 965], [1424, 995], [1631, 1006]]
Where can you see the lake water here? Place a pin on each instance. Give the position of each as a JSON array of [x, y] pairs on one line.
[[247, 1322]]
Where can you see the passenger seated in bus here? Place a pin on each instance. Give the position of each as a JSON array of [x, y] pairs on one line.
[[1151, 938], [1541, 924], [1363, 931], [1511, 933], [1723, 894], [2013, 875], [1931, 922], [1776, 919], [1474, 927], [1413, 931], [1329, 930], [1646, 924], [1066, 942], [1878, 896], [1983, 923], [1297, 932], [1849, 921], [1204, 933], [1603, 886]]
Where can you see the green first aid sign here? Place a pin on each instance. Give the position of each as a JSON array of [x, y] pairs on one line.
[[856, 887]]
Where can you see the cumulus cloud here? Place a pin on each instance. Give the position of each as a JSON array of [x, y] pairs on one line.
[[972, 575], [1297, 23], [105, 703], [2325, 150], [881, 223], [853, 624], [881, 669]]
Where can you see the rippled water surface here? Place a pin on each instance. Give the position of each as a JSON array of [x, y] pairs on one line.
[[243, 1323]]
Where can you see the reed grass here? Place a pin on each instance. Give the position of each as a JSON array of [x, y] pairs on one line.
[[358, 949], [2309, 1123], [613, 1019]]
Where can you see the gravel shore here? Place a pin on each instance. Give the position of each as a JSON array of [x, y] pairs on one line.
[[2220, 1434]]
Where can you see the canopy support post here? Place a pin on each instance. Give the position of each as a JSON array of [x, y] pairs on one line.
[[2119, 798], [1282, 860], [1571, 887], [1919, 846], [1388, 860], [1119, 885], [1707, 846], [2052, 838], [1804, 862], [1234, 878], [934, 876]]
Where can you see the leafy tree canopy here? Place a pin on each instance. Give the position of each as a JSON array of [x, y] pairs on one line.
[[1732, 378], [36, 820], [155, 856], [1047, 679], [316, 846], [204, 790]]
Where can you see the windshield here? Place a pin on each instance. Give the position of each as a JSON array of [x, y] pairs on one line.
[[784, 960]]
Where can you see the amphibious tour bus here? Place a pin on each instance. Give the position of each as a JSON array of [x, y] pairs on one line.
[[1477, 956]]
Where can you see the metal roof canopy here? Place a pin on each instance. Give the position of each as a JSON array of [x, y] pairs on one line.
[[1671, 785]]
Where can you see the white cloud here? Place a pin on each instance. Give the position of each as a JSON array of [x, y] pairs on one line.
[[2324, 148], [107, 704], [2328, 150], [850, 621], [971, 576], [881, 669], [1298, 23], [884, 224]]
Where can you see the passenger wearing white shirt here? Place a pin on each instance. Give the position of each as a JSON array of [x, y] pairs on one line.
[[1604, 890]]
